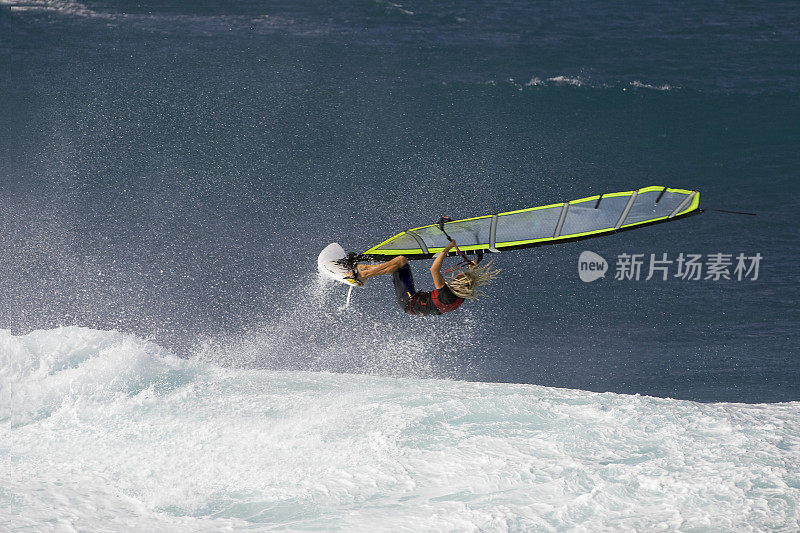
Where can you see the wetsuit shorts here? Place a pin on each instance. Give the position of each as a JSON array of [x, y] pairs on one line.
[[403, 286], [417, 302]]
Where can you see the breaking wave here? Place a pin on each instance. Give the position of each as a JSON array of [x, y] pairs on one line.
[[111, 431], [578, 81]]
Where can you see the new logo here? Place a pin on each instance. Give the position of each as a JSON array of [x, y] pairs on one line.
[[591, 266]]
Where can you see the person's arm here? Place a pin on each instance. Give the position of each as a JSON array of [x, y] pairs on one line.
[[436, 267]]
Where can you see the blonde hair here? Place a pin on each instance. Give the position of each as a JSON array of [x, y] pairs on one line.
[[465, 285]]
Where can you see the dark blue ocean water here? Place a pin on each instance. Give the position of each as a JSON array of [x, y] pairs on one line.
[[172, 169]]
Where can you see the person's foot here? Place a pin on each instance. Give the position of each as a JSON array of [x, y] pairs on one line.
[[359, 275]]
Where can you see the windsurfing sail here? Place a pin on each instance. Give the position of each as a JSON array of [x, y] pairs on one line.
[[548, 224]]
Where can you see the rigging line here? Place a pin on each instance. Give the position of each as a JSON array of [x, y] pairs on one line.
[[732, 212]]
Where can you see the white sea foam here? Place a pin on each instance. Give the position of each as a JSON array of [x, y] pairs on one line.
[[168, 22], [108, 431], [534, 82], [551, 81], [640, 85], [566, 80], [392, 7], [575, 81], [66, 7]]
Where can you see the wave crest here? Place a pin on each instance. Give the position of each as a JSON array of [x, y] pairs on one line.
[[47, 369]]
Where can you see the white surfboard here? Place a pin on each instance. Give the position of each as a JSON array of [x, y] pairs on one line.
[[326, 263]]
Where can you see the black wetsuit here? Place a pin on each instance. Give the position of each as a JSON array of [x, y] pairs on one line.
[[418, 302]]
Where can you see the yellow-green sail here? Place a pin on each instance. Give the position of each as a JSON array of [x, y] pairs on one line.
[[548, 224]]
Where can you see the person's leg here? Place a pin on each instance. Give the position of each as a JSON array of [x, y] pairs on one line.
[[370, 271], [403, 286]]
